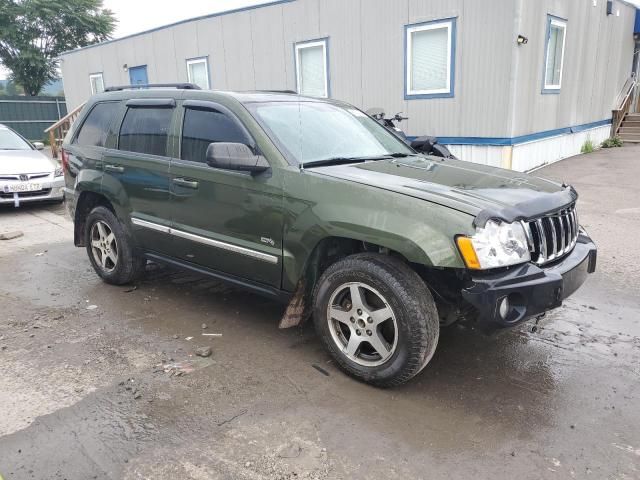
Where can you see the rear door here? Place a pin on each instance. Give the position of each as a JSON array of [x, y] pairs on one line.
[[84, 151], [225, 220], [137, 170]]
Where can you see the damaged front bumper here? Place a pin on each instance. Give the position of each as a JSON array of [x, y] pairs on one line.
[[509, 297]]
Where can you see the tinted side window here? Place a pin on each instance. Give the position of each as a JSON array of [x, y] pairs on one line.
[[145, 130], [202, 127], [95, 128]]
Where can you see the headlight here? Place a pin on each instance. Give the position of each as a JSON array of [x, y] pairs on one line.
[[498, 244], [58, 172]]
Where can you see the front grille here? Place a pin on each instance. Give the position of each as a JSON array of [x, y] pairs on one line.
[[29, 176], [36, 193], [553, 236]]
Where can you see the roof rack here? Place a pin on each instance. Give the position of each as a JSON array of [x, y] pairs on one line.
[[279, 91], [179, 86]]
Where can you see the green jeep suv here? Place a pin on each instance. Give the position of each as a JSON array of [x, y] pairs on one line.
[[313, 203]]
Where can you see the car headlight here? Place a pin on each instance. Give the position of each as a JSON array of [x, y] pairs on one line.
[[58, 172], [498, 244]]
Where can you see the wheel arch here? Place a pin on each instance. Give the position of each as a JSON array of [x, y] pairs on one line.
[[325, 253], [87, 201]]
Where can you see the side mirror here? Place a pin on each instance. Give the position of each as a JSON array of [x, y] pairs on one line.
[[424, 144], [235, 156], [38, 145]]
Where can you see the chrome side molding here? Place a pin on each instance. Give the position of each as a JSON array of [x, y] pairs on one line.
[[248, 252]]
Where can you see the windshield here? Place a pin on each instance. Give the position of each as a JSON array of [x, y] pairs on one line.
[[12, 141], [309, 132]]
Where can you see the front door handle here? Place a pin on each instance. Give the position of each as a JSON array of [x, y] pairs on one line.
[[183, 182], [114, 168]]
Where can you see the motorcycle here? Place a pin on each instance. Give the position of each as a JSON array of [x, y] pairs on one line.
[[425, 144]]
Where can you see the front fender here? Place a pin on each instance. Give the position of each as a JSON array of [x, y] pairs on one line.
[[321, 208]]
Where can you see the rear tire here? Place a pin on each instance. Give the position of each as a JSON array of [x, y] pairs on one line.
[[111, 249], [376, 318]]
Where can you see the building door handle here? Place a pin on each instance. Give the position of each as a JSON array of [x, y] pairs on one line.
[[183, 182], [114, 168]]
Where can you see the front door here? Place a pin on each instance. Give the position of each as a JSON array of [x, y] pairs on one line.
[[138, 75], [228, 221]]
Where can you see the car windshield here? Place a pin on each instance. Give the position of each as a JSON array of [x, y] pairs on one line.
[[313, 132], [12, 141]]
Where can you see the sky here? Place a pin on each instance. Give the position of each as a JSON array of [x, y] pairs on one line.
[[138, 15]]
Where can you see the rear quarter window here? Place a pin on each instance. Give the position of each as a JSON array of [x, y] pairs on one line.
[[95, 128], [145, 130]]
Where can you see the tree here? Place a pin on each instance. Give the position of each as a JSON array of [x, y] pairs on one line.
[[33, 33], [12, 89]]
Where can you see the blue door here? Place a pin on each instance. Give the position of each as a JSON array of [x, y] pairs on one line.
[[138, 75]]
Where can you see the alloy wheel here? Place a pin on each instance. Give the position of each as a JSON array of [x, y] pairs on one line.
[[104, 246], [362, 324]]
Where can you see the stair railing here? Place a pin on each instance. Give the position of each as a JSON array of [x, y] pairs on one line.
[[624, 102], [58, 130]]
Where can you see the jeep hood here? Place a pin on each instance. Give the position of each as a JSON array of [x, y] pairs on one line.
[[479, 190]]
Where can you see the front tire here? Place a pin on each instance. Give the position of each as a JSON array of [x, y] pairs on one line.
[[376, 318], [110, 248]]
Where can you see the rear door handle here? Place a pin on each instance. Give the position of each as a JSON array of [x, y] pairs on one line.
[[114, 168], [183, 182]]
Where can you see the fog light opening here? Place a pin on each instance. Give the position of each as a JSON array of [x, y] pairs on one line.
[[512, 308], [504, 307]]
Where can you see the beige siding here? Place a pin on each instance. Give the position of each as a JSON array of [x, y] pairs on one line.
[[268, 45], [598, 57], [211, 44], [497, 83], [164, 59], [342, 22], [238, 51], [383, 55]]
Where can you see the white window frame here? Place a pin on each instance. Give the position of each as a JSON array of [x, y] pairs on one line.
[[449, 24], [555, 22], [310, 44], [93, 76], [195, 61]]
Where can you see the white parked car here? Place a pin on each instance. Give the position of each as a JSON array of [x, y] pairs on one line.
[[26, 174]]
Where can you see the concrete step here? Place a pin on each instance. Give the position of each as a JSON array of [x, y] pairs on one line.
[[630, 137], [630, 129]]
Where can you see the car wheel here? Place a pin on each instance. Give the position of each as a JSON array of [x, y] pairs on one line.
[[376, 318], [110, 248]]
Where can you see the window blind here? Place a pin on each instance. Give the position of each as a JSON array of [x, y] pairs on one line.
[[198, 74], [312, 75], [429, 59]]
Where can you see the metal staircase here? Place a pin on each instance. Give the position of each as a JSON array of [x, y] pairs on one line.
[[625, 121], [629, 131]]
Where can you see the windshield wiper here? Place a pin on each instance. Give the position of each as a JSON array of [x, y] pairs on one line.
[[341, 160], [404, 155]]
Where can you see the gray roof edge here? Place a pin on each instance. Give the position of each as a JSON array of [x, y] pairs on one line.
[[629, 4], [186, 20]]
